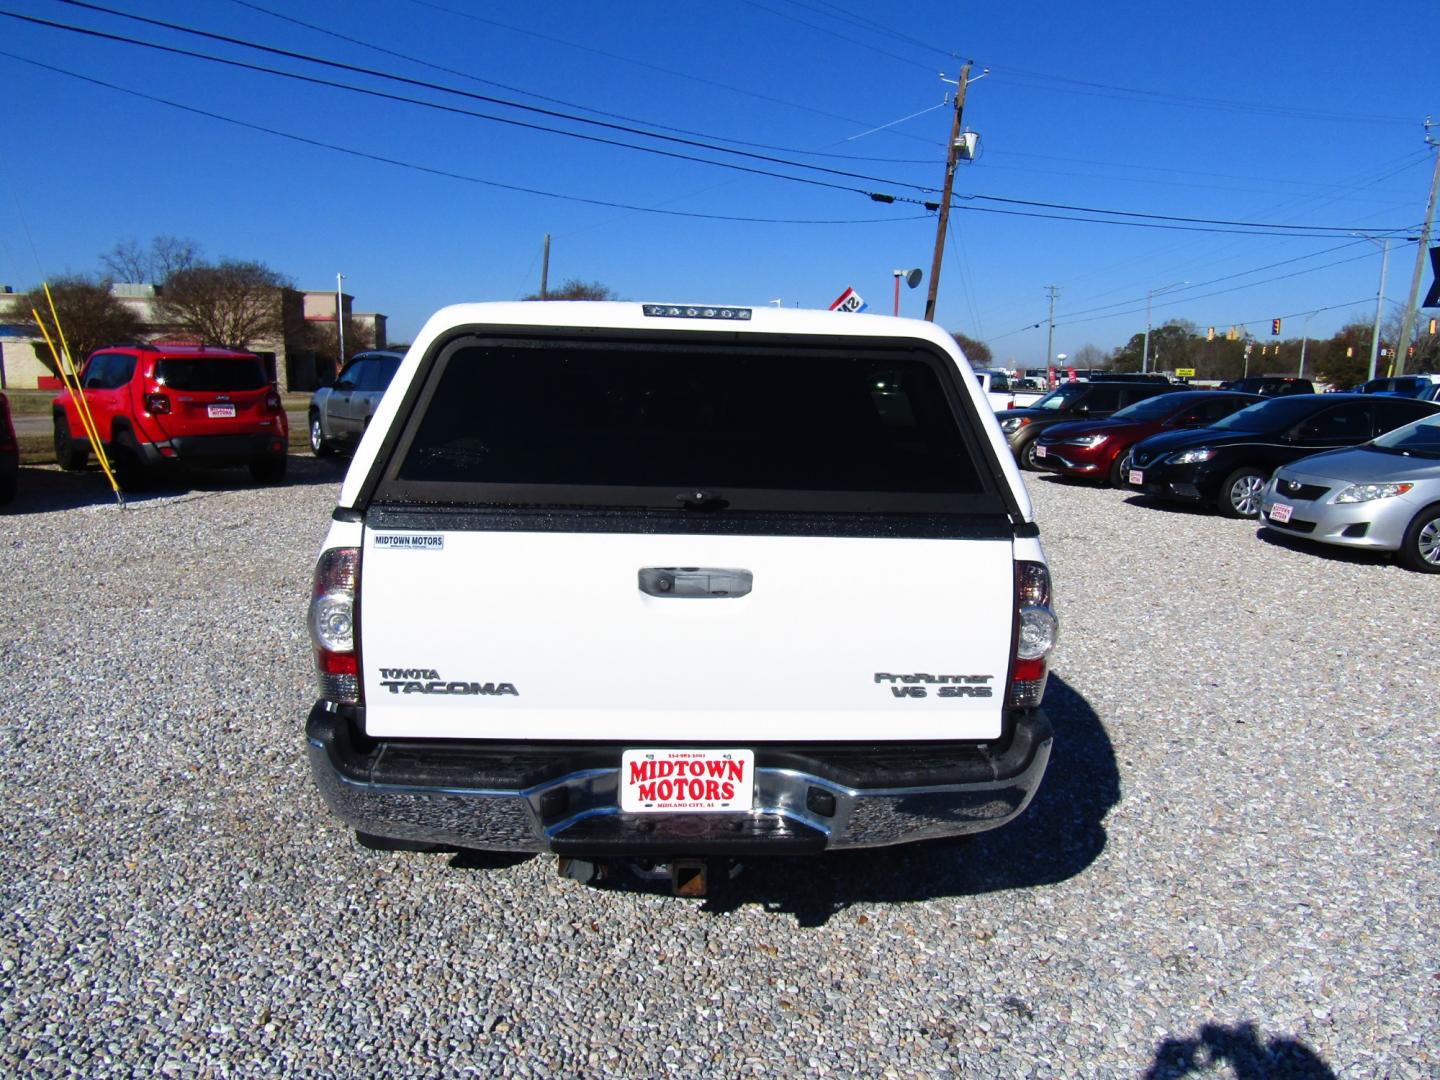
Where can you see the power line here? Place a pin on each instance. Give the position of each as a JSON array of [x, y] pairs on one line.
[[1151, 221], [1071, 321], [568, 104], [400, 163], [1223, 292], [1247, 228], [1128, 93], [831, 33], [356, 69], [646, 65], [1299, 229]]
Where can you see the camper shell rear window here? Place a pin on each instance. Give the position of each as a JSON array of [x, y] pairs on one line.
[[665, 426]]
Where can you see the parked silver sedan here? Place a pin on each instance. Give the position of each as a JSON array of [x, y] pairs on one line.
[[339, 414], [1383, 495]]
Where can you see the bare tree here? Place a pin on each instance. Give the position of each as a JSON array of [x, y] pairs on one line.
[[166, 256], [229, 303], [1087, 356], [127, 261], [575, 289], [319, 337], [169, 255], [89, 317]]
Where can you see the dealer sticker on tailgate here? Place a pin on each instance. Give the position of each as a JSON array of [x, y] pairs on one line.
[[670, 781]]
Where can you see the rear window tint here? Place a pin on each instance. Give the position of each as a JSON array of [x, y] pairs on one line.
[[557, 422], [210, 373]]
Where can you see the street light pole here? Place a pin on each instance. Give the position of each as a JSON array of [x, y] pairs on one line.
[[1304, 340], [912, 278], [1379, 302], [1145, 352]]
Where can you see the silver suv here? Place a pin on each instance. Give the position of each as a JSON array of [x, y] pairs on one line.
[[339, 414]]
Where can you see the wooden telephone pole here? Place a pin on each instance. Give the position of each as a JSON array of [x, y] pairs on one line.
[[1412, 307], [944, 222]]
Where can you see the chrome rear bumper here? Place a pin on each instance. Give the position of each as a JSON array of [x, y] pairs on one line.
[[541, 797]]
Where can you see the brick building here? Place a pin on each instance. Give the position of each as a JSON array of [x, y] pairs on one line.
[[303, 358]]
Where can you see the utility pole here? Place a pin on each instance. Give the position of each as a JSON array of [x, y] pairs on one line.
[[1411, 307], [1052, 291], [545, 268], [951, 153]]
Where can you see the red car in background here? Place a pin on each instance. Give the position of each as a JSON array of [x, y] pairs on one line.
[[1097, 449], [161, 406]]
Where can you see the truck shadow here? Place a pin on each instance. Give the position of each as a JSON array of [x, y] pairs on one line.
[[1058, 836], [46, 489], [1241, 1049]]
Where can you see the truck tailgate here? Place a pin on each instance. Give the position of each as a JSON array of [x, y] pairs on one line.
[[529, 635]]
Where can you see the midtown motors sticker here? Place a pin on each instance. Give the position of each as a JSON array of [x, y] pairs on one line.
[[410, 541], [687, 781]]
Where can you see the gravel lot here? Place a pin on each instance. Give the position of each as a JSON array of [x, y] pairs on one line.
[[1230, 871]]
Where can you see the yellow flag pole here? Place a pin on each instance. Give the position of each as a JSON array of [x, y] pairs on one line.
[[65, 365]]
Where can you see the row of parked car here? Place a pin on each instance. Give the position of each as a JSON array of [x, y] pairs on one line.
[[1358, 470]]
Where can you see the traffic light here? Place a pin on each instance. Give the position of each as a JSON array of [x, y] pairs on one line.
[[1275, 327]]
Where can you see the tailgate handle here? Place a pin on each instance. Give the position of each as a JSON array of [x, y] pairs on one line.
[[703, 582]]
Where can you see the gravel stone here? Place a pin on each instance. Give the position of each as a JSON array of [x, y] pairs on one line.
[[1230, 870]]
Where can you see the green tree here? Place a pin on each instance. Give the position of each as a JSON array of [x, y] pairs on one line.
[[1345, 358], [230, 303], [1174, 344], [977, 352], [575, 289], [89, 317]]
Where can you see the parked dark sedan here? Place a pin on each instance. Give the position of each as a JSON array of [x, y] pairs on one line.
[[1070, 401], [1096, 449], [1230, 462]]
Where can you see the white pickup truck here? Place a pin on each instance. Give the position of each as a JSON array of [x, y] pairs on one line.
[[1003, 395], [670, 582]]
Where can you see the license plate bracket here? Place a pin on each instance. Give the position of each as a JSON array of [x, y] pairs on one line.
[[1281, 512], [667, 780], [217, 412], [1137, 477]]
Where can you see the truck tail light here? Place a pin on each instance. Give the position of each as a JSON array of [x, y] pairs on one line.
[[157, 404], [333, 628], [1035, 634]]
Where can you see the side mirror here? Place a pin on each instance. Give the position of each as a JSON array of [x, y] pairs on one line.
[[344, 384]]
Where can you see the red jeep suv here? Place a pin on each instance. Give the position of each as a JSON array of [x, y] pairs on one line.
[[166, 405]]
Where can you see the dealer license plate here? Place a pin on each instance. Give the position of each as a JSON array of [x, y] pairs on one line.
[[220, 410], [1039, 450], [687, 781], [1281, 513], [1137, 476]]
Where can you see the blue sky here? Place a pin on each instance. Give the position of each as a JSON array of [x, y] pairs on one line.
[[1279, 114]]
